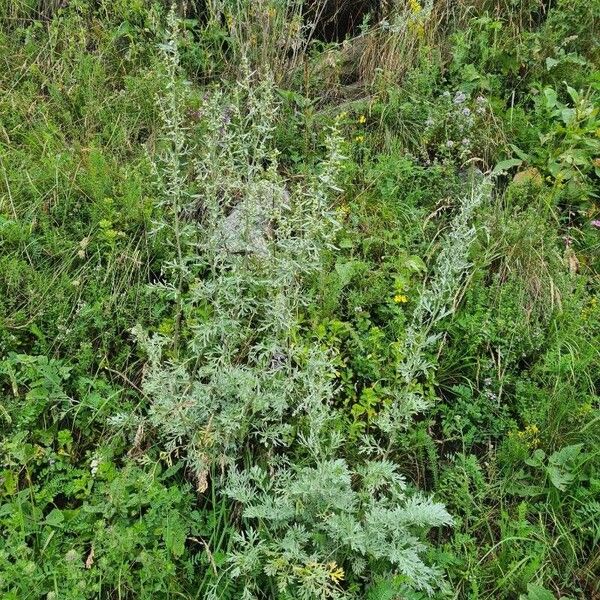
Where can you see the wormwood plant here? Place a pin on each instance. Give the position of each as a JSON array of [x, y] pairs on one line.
[[233, 382], [243, 238], [312, 527], [436, 302]]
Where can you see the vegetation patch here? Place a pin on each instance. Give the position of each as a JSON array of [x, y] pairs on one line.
[[299, 300]]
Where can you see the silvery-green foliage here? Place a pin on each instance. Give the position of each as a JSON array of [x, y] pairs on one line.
[[244, 238], [436, 302], [340, 517], [437, 298], [236, 372]]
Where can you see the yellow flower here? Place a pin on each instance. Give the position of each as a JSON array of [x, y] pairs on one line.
[[362, 119], [359, 139], [343, 209], [336, 573], [529, 436], [415, 7], [400, 299]]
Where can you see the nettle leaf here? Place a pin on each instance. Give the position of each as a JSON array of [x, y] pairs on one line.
[[560, 478], [560, 464]]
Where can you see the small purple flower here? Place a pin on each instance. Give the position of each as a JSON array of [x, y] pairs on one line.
[[596, 223], [449, 144], [465, 111], [465, 141]]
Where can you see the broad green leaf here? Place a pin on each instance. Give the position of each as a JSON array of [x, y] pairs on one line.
[[522, 155], [346, 271], [536, 459], [559, 477], [415, 263], [573, 93], [551, 97], [55, 518], [567, 115], [505, 165], [565, 455], [470, 73], [554, 168]]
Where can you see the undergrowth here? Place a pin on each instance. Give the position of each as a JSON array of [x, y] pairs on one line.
[[285, 316]]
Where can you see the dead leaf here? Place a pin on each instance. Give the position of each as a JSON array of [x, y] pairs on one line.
[[572, 261], [89, 561]]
